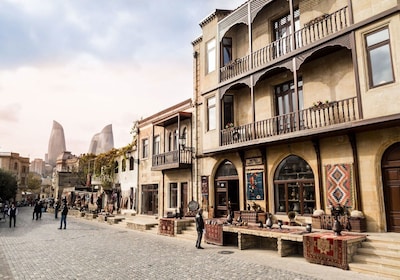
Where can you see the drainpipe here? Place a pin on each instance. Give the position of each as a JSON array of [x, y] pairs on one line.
[[353, 142], [196, 108], [315, 142]]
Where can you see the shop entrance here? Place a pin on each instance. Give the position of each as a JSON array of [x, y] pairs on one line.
[[391, 186], [226, 189], [149, 199]]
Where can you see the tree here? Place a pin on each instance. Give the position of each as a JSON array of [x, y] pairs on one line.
[[34, 182], [8, 185]]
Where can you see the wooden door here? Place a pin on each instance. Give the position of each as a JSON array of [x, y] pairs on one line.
[[391, 187], [221, 199], [184, 197]]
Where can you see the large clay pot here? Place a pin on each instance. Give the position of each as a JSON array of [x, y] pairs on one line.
[[269, 223]]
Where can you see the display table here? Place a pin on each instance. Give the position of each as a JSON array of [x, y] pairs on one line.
[[328, 249], [286, 241]]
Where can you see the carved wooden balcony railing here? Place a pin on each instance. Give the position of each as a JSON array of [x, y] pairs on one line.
[[172, 160], [329, 114], [312, 31]]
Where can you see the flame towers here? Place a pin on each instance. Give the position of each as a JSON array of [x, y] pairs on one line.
[[56, 143]]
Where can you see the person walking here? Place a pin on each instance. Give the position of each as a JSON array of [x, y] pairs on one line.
[[64, 213], [36, 210], [199, 228], [56, 209], [12, 213]]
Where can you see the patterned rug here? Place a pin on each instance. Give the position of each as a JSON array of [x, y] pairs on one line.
[[339, 184], [326, 249]]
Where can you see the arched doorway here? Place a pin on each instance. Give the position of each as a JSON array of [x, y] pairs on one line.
[[294, 187], [226, 189], [391, 186]]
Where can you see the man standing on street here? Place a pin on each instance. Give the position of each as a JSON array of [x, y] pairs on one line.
[[12, 213], [199, 228], [64, 213]]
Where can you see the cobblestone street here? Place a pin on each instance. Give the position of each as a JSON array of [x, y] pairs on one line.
[[37, 249]]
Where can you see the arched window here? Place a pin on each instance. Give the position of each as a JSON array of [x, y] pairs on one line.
[[116, 167], [176, 140], [123, 165], [294, 186], [226, 169], [184, 136], [170, 142], [131, 162]]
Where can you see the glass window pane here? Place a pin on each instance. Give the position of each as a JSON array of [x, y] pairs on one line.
[[211, 56], [377, 37], [381, 65], [212, 121]]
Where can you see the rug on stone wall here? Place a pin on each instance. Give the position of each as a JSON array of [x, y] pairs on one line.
[[325, 250], [339, 184]]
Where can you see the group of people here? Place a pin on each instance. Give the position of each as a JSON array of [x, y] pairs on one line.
[[12, 212], [37, 210]]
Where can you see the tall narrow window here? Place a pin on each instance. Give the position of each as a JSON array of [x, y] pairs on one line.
[[184, 136], [123, 165], [226, 47], [131, 163], [156, 149], [116, 167], [176, 140], [173, 195], [379, 56], [228, 110], [211, 56], [170, 141], [145, 151], [211, 114], [281, 27], [285, 95]]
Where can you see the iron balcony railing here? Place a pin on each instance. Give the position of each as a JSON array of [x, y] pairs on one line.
[[312, 31], [181, 158], [318, 116]]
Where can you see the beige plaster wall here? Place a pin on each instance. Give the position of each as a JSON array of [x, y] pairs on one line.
[[310, 9], [208, 139], [371, 147], [179, 176], [243, 108], [208, 80], [328, 78], [382, 100], [365, 8]]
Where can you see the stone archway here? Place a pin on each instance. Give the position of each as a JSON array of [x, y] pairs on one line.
[[226, 189], [391, 187]]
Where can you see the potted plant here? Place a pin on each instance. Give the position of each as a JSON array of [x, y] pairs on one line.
[[292, 216], [229, 125]]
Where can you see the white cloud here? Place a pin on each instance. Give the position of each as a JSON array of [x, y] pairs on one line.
[[87, 64]]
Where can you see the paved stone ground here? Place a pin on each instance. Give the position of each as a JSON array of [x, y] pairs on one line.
[[95, 250]]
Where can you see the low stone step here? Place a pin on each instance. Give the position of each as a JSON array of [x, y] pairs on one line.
[[390, 254], [381, 261], [382, 246], [373, 269]]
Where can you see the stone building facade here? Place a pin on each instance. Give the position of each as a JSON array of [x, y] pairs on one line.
[[166, 170], [19, 166], [296, 108]]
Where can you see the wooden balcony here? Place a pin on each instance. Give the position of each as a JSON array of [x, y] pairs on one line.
[[312, 32], [320, 116], [179, 159]]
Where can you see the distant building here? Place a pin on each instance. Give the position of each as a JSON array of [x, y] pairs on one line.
[[38, 166], [56, 143], [19, 166], [102, 142]]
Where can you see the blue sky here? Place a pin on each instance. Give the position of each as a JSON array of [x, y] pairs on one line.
[[90, 63]]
